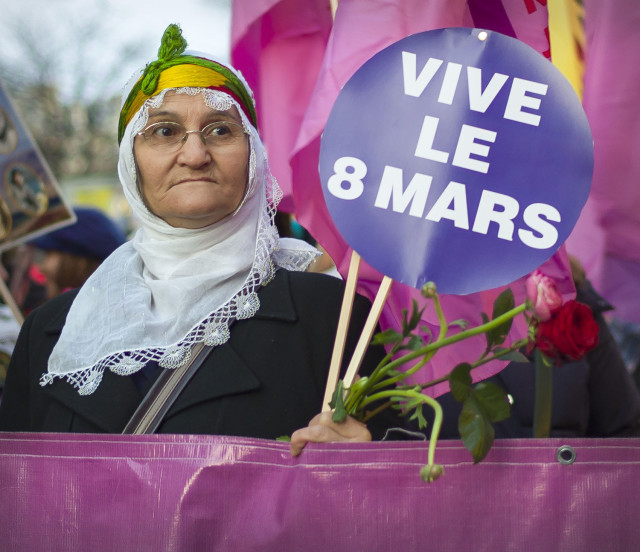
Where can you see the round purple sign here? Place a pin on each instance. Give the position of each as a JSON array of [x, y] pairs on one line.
[[458, 156]]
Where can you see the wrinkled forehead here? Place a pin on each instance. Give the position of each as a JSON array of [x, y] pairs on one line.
[[180, 108], [211, 101]]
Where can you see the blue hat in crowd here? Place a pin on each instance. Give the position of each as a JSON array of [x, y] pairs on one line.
[[94, 235]]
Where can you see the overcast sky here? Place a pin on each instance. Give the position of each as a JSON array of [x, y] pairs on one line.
[[58, 23]]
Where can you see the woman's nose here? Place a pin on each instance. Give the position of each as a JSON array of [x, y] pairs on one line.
[[194, 151]]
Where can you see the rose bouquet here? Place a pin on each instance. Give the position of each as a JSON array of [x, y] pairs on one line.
[[557, 331]]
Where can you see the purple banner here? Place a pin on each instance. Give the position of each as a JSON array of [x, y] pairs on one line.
[[184, 493], [459, 156]]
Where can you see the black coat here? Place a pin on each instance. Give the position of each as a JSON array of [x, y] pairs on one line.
[[266, 381]]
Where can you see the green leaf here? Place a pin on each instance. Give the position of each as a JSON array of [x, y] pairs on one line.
[[488, 335], [386, 337], [515, 356], [416, 315], [409, 404], [284, 438], [414, 343], [410, 324], [461, 323], [475, 428], [504, 303], [460, 381], [337, 403], [500, 333], [494, 400], [418, 415]]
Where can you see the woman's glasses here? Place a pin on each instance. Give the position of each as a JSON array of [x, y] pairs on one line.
[[170, 137]]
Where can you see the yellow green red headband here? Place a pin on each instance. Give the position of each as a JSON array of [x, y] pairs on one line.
[[174, 70]]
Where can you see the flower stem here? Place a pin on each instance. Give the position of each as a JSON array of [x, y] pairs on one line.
[[439, 343], [444, 326], [513, 347], [376, 382], [543, 396], [437, 411], [496, 356]]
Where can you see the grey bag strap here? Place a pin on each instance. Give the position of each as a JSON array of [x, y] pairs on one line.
[[164, 392]]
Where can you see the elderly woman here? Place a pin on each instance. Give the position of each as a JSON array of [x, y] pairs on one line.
[[206, 267]]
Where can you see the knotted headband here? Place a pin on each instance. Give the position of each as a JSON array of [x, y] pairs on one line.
[[172, 69]]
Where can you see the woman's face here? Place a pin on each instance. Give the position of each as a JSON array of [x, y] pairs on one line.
[[50, 267], [196, 185]]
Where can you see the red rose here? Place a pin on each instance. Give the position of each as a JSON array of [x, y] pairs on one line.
[[571, 332]]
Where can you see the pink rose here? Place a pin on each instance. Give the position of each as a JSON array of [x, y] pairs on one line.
[[543, 295]]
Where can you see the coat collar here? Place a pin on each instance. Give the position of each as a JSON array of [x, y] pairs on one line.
[[113, 403]]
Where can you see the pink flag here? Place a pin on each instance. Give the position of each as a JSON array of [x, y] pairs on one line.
[[526, 20], [278, 46], [362, 28], [607, 237]]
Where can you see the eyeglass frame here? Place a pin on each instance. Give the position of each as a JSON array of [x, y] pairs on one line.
[[184, 139]]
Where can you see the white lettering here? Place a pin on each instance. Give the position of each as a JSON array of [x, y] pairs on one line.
[[487, 214], [391, 188], [424, 147], [353, 178], [479, 100], [454, 195], [518, 99], [450, 83], [415, 85], [467, 146], [548, 233]]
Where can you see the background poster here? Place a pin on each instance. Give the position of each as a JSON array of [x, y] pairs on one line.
[[31, 204], [30, 200]]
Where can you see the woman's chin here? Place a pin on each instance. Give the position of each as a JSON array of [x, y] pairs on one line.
[[195, 220]]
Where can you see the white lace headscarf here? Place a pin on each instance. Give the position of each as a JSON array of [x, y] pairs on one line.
[[169, 288]]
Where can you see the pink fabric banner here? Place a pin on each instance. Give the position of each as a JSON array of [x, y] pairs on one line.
[[607, 237], [278, 45], [362, 28], [73, 493]]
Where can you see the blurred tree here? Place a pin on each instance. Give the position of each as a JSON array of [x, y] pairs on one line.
[[67, 99]]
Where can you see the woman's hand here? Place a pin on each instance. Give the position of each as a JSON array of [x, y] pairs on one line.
[[322, 429]]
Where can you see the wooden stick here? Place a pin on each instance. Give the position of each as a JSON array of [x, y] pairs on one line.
[[334, 7], [367, 331], [341, 332]]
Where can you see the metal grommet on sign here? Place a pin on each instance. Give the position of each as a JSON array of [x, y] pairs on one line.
[[566, 455]]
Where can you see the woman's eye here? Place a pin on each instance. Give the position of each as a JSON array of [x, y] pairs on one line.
[[219, 129], [165, 131]]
